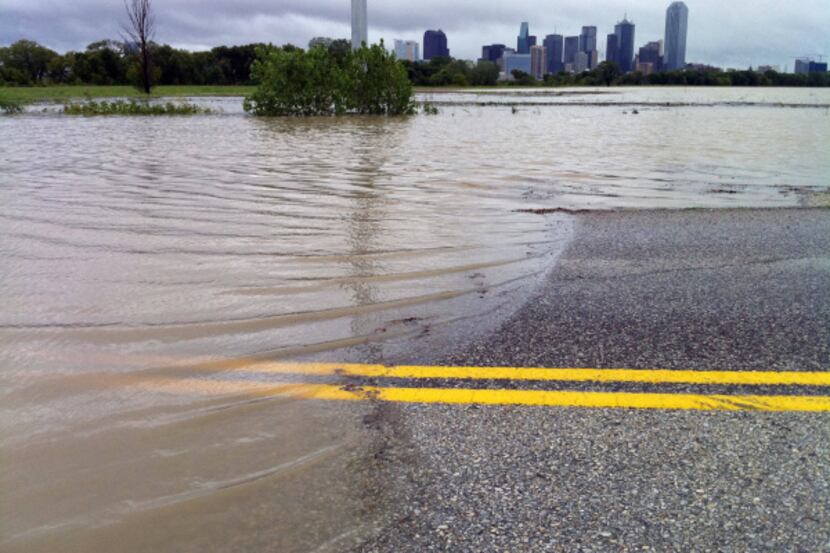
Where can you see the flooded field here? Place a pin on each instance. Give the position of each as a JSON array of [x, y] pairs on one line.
[[153, 268]]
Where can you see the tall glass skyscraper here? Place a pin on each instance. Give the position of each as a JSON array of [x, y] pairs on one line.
[[625, 45], [554, 48], [571, 48], [360, 25], [523, 40], [677, 21]]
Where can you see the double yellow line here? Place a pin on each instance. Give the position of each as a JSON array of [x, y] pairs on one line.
[[590, 399]]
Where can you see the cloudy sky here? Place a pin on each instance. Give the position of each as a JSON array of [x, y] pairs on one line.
[[730, 33]]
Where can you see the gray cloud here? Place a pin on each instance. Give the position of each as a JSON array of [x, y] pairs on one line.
[[734, 33]]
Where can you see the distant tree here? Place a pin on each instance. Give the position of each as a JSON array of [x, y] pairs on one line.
[[140, 29], [522, 78], [340, 50], [379, 83], [315, 82], [27, 62], [485, 73], [607, 72]]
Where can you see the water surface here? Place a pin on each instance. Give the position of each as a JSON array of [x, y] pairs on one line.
[[151, 264]]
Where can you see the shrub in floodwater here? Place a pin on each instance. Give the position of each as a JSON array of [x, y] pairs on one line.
[[316, 82], [8, 107], [429, 109], [121, 107]]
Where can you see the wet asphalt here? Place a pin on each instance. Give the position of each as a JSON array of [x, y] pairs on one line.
[[715, 290]]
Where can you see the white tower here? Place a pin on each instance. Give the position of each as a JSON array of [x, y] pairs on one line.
[[360, 25]]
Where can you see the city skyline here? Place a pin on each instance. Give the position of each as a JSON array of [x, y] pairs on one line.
[[770, 33]]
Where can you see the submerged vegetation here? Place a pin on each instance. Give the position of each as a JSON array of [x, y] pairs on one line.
[[319, 81], [8, 107], [121, 107]]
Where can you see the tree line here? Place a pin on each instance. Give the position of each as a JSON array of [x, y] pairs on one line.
[[111, 62]]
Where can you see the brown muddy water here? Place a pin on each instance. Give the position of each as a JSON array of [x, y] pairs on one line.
[[151, 265]]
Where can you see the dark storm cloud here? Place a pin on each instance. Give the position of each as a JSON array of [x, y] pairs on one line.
[[730, 33]]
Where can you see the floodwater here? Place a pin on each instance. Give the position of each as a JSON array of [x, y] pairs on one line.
[[154, 269]]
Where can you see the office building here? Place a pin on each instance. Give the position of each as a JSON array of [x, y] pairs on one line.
[[805, 66], [492, 52], [554, 50], [588, 44], [505, 53], [611, 48], [523, 40], [435, 45], [624, 49], [677, 20], [407, 50], [516, 61], [360, 24], [651, 54], [581, 62], [538, 62], [570, 50]]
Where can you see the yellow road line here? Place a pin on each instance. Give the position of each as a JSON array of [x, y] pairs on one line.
[[650, 376], [612, 400]]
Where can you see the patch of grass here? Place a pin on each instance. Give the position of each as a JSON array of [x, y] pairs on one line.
[[122, 107], [29, 95], [8, 107]]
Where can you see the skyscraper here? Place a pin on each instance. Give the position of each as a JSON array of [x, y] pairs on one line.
[[554, 48], [515, 61], [523, 40], [611, 48], [538, 63], [677, 21], [492, 52], [407, 50], [435, 45], [625, 45], [650, 57], [571, 48], [588, 44], [360, 24]]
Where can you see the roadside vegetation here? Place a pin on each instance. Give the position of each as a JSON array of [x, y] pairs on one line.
[[122, 107], [319, 81]]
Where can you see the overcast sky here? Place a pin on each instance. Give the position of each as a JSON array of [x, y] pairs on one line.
[[729, 33]]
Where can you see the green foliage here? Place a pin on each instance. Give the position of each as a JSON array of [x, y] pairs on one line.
[[377, 83], [485, 73], [429, 109], [109, 62], [68, 93], [325, 82], [522, 78], [9, 108], [121, 107]]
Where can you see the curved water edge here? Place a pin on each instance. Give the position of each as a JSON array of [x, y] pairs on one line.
[[152, 262]]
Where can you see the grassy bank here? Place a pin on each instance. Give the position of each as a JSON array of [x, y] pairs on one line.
[[30, 95]]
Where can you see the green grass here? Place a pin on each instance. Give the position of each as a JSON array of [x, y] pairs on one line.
[[30, 95], [121, 107]]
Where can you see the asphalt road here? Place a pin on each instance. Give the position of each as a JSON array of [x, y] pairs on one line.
[[714, 290]]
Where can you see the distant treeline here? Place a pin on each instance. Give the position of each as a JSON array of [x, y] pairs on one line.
[[109, 62], [452, 72]]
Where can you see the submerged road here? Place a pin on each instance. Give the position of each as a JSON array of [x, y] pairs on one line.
[[724, 291]]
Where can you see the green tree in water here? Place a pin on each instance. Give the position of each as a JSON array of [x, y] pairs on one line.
[[322, 82]]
